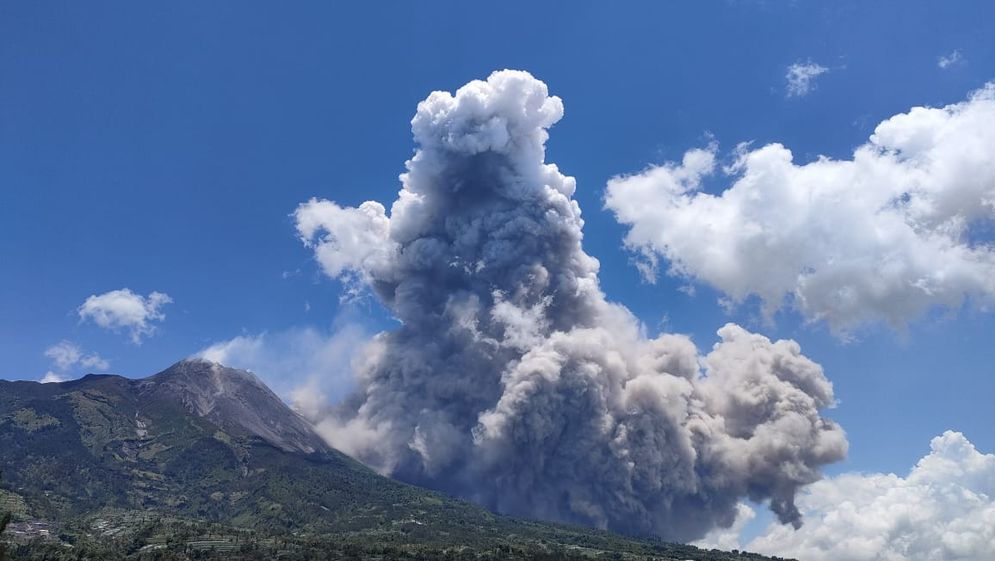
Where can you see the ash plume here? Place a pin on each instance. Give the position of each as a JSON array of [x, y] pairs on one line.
[[514, 382]]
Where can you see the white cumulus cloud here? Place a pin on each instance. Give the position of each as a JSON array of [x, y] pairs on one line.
[[65, 356], [942, 510], [887, 235], [952, 59], [123, 309], [801, 76]]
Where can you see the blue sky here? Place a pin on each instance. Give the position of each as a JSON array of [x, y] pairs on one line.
[[164, 148]]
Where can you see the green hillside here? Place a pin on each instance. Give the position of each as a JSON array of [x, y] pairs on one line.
[[109, 468]]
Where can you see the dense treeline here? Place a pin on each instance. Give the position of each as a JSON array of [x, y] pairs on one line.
[[320, 550], [153, 538], [5, 518], [308, 549]]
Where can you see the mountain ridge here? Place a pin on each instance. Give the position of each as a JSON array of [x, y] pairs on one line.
[[200, 443]]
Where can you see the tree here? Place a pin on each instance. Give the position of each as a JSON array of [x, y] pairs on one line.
[[4, 520]]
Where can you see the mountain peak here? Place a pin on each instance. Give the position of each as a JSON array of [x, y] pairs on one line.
[[209, 376], [237, 401]]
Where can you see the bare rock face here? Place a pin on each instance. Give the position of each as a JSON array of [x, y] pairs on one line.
[[237, 402]]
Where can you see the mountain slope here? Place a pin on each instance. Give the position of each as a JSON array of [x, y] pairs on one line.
[[236, 401], [201, 442]]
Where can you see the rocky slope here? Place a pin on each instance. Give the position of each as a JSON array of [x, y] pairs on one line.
[[236, 401]]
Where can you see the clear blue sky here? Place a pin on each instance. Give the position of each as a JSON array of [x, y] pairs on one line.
[[163, 147]]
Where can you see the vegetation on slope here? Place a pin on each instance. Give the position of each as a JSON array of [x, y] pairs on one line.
[[112, 468]]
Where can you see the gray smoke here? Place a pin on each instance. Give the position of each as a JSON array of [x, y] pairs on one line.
[[513, 382]]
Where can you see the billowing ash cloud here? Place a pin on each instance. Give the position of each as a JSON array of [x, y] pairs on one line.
[[513, 382], [902, 227]]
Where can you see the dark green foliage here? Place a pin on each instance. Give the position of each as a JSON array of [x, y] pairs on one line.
[[173, 539], [123, 473], [4, 521]]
